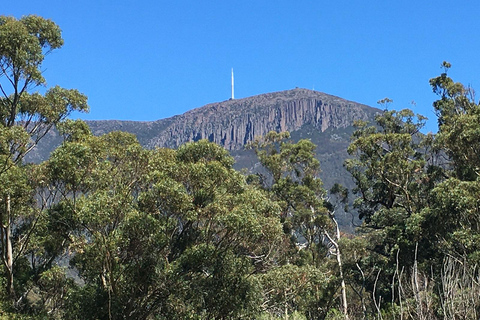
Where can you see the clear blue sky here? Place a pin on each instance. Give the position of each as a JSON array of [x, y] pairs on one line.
[[147, 60]]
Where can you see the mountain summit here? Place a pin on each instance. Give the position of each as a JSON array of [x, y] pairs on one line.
[[325, 119], [233, 123]]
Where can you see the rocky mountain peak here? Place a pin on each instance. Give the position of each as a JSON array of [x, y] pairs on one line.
[[233, 123]]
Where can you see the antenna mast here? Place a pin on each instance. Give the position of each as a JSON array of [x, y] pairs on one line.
[[233, 97]]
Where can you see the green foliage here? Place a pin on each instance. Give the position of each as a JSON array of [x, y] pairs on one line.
[[418, 195], [292, 289], [148, 228], [179, 234], [22, 45], [294, 183], [308, 219], [25, 118], [458, 119], [389, 170], [204, 151], [220, 281]]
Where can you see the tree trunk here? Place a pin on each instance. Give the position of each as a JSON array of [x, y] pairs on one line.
[[340, 266], [344, 289], [7, 254]]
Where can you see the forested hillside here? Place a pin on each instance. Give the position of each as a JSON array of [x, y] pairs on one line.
[[107, 229], [325, 119]]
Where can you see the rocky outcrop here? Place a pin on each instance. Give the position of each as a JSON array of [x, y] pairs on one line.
[[233, 123]]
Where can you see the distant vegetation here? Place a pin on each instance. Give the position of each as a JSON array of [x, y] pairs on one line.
[[106, 229]]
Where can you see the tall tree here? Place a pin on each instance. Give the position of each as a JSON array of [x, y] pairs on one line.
[[456, 198], [391, 168], [458, 118], [291, 178], [395, 169], [25, 116], [173, 234], [307, 216]]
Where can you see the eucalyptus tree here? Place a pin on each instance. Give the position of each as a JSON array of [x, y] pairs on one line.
[[394, 174], [292, 179], [458, 121], [163, 233], [394, 171], [220, 232], [25, 117], [417, 193], [408, 182], [456, 198], [307, 215]]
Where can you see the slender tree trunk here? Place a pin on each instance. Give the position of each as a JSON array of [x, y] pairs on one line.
[[344, 289], [7, 254], [340, 265]]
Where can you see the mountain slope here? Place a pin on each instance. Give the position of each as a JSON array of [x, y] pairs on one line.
[[325, 119], [233, 123]]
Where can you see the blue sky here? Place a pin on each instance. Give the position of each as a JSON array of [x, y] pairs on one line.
[[147, 60]]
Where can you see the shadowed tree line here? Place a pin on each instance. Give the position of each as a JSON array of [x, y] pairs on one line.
[[105, 229]]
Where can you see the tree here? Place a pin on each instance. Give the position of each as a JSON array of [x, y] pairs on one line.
[[292, 180], [395, 170], [289, 289], [97, 179], [25, 116], [418, 197], [226, 232], [456, 198], [149, 228], [394, 173], [307, 216]]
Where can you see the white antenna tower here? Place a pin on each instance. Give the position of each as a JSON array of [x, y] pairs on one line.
[[233, 97]]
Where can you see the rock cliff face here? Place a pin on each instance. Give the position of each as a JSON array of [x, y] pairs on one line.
[[233, 123]]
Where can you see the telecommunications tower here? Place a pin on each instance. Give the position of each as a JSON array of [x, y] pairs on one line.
[[233, 97]]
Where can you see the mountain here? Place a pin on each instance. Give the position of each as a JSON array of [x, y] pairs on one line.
[[233, 123], [325, 119]]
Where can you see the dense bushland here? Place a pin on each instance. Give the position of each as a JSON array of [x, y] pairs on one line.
[[105, 229]]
